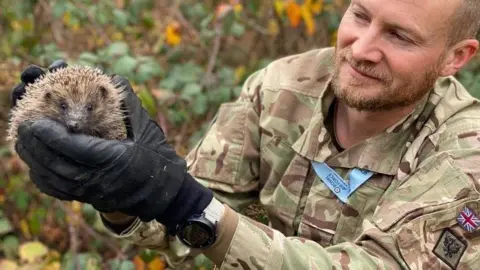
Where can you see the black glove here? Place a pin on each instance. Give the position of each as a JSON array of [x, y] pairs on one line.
[[140, 176]]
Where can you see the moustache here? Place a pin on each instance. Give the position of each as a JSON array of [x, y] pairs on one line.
[[366, 68]]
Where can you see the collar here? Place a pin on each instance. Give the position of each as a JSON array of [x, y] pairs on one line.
[[381, 153]]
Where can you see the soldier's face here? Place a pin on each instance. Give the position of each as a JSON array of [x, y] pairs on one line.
[[389, 52]]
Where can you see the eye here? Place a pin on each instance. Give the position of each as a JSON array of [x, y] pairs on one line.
[[89, 107], [63, 105], [399, 37], [360, 16]]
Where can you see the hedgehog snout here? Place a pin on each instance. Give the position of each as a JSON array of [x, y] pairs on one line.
[[73, 126], [75, 121]]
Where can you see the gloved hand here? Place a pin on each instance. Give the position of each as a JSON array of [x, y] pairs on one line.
[[140, 176]]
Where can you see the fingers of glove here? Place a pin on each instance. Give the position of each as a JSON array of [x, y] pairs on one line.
[[31, 73], [92, 152], [17, 93], [38, 156], [136, 116], [60, 63], [45, 186], [47, 180]]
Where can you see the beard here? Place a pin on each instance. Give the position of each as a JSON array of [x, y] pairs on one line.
[[360, 95]]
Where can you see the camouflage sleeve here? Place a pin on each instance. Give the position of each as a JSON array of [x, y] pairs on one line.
[[418, 224], [227, 158]]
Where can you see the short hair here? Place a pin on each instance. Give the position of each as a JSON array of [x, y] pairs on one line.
[[465, 22]]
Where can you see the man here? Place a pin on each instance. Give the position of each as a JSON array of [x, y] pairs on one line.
[[365, 156]]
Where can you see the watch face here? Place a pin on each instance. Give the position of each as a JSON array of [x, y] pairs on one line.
[[197, 234]]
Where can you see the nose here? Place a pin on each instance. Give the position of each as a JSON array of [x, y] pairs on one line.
[[73, 126], [366, 47]]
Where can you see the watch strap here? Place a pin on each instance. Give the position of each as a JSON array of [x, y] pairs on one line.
[[214, 211]]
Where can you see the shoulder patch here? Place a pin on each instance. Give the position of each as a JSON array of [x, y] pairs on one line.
[[449, 248], [468, 220]]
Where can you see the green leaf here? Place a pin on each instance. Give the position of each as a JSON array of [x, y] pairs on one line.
[[21, 199], [87, 59], [228, 21], [37, 220], [148, 70], [202, 262], [4, 151], [5, 226], [118, 48], [190, 90], [118, 264], [59, 8], [120, 18], [200, 105], [90, 261], [10, 246], [237, 29], [187, 73], [169, 83], [89, 213], [125, 66], [148, 102]]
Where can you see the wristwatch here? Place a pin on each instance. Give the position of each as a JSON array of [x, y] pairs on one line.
[[200, 231]]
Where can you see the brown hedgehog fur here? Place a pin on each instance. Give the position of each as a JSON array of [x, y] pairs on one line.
[[81, 97]]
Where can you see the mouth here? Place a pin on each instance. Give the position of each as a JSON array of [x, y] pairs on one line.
[[358, 74]]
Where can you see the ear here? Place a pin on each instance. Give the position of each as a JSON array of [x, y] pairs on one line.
[[47, 95], [458, 56], [103, 91]]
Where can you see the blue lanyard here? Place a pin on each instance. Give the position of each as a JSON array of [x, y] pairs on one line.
[[336, 183]]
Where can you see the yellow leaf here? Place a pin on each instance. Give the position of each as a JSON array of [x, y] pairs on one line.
[[316, 6], [294, 13], [75, 27], [156, 264], [24, 228], [279, 7], [8, 265], [77, 207], [238, 8], [31, 252], [16, 25], [117, 36], [172, 34], [273, 28], [99, 42], [67, 18], [52, 266], [308, 19], [239, 73]]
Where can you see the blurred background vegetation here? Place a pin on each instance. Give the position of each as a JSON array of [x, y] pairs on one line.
[[184, 58]]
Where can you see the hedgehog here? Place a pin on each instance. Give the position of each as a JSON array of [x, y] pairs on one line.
[[82, 98]]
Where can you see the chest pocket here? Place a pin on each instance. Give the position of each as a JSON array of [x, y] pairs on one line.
[[420, 211], [328, 221]]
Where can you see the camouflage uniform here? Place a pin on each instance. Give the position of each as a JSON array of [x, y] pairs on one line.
[[427, 170]]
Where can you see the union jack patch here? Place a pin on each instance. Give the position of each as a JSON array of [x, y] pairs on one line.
[[468, 220]]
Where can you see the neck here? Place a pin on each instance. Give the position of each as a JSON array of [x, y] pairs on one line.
[[353, 126]]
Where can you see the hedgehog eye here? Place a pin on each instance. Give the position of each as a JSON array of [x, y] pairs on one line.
[[89, 107], [63, 105]]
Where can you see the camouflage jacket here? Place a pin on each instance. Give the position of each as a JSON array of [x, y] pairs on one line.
[[418, 210]]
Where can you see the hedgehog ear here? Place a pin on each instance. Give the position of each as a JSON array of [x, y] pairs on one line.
[[103, 91], [48, 95]]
